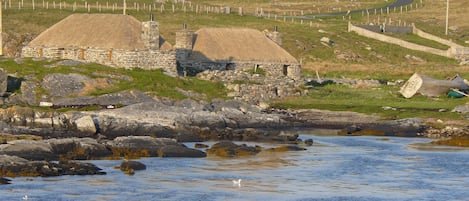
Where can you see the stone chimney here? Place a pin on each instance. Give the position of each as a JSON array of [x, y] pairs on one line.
[[151, 34], [184, 42], [274, 36]]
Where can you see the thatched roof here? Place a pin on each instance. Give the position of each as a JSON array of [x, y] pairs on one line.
[[95, 30], [237, 44]]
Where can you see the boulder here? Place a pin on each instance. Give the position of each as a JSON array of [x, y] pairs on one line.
[[61, 85], [180, 151], [139, 146], [120, 98], [188, 137], [463, 109], [79, 168], [28, 92], [28, 149], [13, 166], [134, 165], [230, 149], [79, 148], [124, 98], [85, 125]]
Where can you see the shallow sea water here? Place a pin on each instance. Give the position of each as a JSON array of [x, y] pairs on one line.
[[334, 168]]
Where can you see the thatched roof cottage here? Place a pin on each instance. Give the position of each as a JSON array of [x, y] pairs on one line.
[[114, 40], [123, 41], [235, 49]]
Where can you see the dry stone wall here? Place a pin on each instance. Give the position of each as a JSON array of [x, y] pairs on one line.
[[274, 70], [402, 43], [145, 59], [254, 88]]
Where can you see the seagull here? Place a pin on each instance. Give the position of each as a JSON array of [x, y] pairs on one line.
[[25, 197], [237, 182]]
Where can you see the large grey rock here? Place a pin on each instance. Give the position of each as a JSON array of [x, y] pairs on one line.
[[28, 149], [120, 98], [58, 84], [140, 145], [79, 148], [461, 109], [230, 149], [132, 165], [28, 92], [15, 166], [180, 151], [124, 98], [85, 124]]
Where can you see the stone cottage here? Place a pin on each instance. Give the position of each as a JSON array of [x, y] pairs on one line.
[[123, 41], [113, 40], [234, 49]]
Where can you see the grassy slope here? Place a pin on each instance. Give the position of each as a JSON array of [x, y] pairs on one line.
[[153, 82], [369, 59]]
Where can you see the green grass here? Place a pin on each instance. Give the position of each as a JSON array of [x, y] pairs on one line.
[[372, 101], [154, 82]]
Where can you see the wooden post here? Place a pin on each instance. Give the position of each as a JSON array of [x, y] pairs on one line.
[[125, 7], [447, 16], [33, 3]]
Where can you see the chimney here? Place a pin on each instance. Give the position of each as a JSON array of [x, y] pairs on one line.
[[276, 36], [151, 34], [184, 42]]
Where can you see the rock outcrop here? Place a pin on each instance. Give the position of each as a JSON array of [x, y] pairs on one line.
[[146, 146], [230, 149], [14, 166]]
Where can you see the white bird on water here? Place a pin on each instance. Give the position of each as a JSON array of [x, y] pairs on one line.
[[237, 182], [25, 197]]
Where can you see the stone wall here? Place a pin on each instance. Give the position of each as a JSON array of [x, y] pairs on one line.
[[145, 59], [254, 88], [455, 51], [271, 69], [402, 43], [387, 28]]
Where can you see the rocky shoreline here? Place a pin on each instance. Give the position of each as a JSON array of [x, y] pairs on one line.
[[157, 128], [131, 124]]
